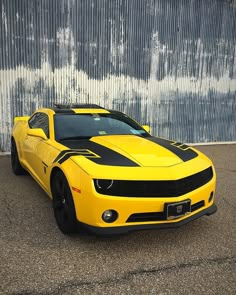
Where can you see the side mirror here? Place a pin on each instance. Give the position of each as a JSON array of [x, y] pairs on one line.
[[37, 132], [146, 128]]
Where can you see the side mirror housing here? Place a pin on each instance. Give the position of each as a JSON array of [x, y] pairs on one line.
[[37, 132], [17, 119], [146, 128]]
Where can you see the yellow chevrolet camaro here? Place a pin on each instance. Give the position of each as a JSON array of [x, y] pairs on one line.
[[106, 173]]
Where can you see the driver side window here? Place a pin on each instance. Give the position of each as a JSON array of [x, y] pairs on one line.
[[40, 120]]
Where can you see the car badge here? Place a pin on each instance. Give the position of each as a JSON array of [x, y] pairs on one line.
[[179, 209]]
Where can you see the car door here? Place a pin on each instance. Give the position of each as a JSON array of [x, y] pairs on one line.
[[36, 147]]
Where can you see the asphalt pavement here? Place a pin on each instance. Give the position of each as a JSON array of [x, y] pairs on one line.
[[36, 258]]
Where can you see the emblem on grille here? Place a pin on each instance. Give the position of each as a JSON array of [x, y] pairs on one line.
[[179, 209]]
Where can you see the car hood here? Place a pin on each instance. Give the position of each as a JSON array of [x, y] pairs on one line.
[[129, 151], [141, 150]]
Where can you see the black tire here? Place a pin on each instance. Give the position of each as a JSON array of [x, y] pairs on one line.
[[63, 205], [15, 163]]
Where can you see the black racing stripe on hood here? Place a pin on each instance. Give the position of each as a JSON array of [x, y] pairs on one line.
[[106, 156], [64, 155], [184, 152], [67, 155]]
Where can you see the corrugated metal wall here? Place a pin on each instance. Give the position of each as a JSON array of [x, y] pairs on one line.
[[168, 63]]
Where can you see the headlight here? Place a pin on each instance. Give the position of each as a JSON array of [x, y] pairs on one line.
[[103, 184]]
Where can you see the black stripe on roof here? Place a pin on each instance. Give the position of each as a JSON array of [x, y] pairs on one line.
[[77, 106], [63, 111]]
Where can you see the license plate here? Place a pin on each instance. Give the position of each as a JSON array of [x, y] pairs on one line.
[[176, 210]]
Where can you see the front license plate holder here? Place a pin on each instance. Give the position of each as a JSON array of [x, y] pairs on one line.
[[176, 210]]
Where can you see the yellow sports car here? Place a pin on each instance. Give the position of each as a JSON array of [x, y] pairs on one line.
[[106, 173]]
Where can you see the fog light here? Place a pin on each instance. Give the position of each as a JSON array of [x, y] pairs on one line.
[[109, 216], [211, 197]]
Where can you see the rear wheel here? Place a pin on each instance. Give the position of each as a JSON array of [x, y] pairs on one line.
[[15, 163], [63, 205]]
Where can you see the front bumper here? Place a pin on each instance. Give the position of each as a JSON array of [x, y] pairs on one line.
[[116, 230]]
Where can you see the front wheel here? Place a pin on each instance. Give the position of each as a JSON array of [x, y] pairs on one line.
[[15, 163], [63, 205]]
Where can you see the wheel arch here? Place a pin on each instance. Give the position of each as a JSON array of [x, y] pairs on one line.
[[67, 221], [71, 171], [52, 175], [17, 167], [16, 144], [54, 171], [13, 139], [19, 151]]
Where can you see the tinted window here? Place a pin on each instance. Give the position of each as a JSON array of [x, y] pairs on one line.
[[40, 120], [87, 125]]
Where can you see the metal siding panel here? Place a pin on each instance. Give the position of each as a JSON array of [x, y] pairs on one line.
[[167, 63]]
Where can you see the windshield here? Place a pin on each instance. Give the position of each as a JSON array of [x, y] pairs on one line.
[[79, 126]]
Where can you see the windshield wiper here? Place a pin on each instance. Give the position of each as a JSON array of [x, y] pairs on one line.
[[74, 138]]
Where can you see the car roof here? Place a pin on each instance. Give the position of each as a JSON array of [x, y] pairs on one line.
[[79, 108], [76, 109]]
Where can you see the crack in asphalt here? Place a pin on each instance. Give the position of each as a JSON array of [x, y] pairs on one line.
[[228, 203], [231, 170], [226, 169], [62, 288], [8, 210]]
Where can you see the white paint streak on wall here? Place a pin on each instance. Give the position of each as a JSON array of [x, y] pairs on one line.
[[71, 85], [4, 18], [75, 86]]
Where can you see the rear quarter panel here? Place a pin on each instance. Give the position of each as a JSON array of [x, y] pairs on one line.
[[19, 132]]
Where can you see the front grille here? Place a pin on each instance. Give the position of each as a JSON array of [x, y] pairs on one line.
[[157, 188], [150, 216], [197, 206], [158, 216]]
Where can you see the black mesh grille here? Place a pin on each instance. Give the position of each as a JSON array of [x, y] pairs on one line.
[[197, 206], [158, 216], [158, 188]]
